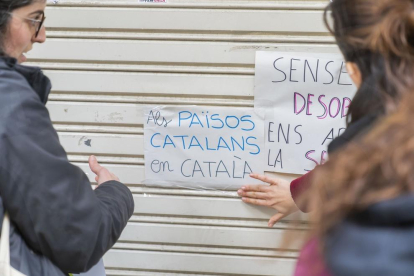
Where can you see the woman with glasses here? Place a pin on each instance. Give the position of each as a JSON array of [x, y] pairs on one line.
[[59, 225]]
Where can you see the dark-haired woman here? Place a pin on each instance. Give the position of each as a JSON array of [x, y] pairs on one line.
[[362, 199], [376, 38], [59, 224], [377, 75]]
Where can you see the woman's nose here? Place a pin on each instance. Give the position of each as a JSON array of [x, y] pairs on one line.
[[41, 37]]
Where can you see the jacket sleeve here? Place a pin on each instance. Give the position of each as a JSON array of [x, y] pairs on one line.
[[299, 188], [51, 201]]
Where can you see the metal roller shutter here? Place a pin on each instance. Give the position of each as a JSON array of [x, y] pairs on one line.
[[107, 59]]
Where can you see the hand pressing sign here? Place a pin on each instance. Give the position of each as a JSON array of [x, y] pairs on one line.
[[276, 196]]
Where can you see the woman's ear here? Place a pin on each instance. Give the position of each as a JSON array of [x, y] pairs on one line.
[[354, 73]]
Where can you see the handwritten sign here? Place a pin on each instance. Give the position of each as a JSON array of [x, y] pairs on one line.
[[304, 99], [208, 147]]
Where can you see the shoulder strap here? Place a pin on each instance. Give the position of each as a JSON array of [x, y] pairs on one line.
[[5, 268], [5, 246]]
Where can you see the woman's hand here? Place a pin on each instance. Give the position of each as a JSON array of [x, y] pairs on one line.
[[276, 196], [102, 174]]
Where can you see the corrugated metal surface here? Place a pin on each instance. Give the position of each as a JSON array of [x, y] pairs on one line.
[[107, 59]]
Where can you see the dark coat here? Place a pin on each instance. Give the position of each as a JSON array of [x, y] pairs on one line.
[[376, 242], [50, 201]]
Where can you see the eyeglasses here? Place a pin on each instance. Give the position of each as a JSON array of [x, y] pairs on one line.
[[37, 24]]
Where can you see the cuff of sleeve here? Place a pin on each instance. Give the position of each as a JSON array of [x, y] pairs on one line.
[[113, 188]]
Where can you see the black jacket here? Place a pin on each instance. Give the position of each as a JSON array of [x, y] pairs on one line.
[[50, 201], [376, 242]]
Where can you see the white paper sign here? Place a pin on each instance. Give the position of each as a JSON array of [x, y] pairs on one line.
[[304, 98], [204, 147]]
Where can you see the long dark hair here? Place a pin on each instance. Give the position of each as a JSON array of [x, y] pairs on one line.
[[7, 6], [377, 35]]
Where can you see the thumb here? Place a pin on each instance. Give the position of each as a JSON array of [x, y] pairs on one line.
[[94, 165], [275, 219]]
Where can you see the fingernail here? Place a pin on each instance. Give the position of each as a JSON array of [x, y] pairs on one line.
[[243, 188], [239, 191]]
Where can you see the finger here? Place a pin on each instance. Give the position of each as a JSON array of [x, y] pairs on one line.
[[265, 178], [275, 219], [257, 195], [256, 188], [260, 202], [96, 178], [94, 165]]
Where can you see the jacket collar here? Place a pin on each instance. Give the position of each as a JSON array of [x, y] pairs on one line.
[[356, 129], [34, 76]]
